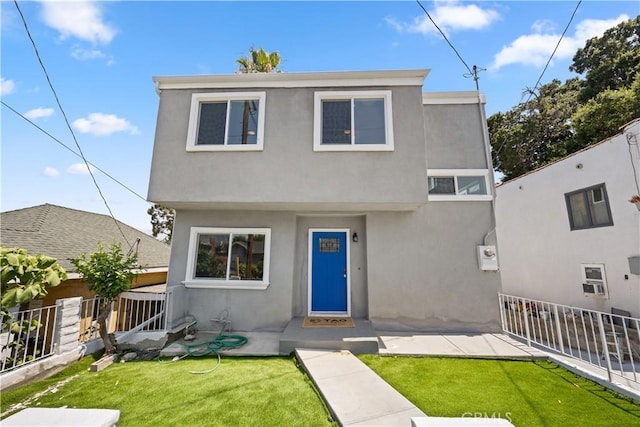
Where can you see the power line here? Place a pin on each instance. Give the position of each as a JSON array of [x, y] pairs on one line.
[[532, 91], [66, 120], [70, 149], [471, 73]]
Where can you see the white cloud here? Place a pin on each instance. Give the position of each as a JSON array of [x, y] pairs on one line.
[[38, 113], [101, 124], [82, 54], [535, 49], [450, 16], [49, 171], [7, 86], [82, 20], [79, 169]]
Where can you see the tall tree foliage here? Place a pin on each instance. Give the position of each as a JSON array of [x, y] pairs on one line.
[[162, 222], [564, 117], [108, 274], [611, 61], [259, 61]]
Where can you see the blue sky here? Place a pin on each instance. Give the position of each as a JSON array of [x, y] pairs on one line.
[[101, 57]]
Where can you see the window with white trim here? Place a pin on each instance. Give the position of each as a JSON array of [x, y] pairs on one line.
[[589, 208], [231, 121], [353, 121], [458, 184], [594, 281], [228, 258]]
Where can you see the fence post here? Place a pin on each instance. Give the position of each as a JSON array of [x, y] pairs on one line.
[[67, 324], [605, 347], [558, 328], [525, 312]]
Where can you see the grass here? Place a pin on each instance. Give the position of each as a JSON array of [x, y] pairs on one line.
[[526, 393], [241, 391]]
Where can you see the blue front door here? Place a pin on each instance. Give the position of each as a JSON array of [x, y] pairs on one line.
[[329, 272]]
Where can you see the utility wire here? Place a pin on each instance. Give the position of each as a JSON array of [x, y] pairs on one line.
[[532, 91], [66, 120], [71, 149], [471, 73]]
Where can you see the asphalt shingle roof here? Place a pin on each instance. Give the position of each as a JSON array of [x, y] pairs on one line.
[[65, 233]]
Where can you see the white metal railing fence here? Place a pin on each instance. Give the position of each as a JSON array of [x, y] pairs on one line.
[[133, 311], [606, 340], [26, 337]]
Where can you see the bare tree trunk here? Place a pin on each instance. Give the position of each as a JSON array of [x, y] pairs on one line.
[[108, 339], [245, 122], [249, 272]]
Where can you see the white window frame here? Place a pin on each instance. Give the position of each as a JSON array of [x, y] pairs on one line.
[[455, 173], [192, 282], [351, 95], [198, 99], [596, 293]]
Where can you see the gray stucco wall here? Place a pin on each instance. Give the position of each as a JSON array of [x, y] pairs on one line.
[[423, 270], [249, 310], [454, 138], [265, 176]]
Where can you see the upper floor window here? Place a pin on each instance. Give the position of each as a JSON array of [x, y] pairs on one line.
[[458, 184], [232, 121], [353, 121], [589, 208], [236, 258]]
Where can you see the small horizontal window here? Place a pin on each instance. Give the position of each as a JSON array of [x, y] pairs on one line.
[[588, 208], [353, 121], [228, 258], [226, 121], [458, 184]]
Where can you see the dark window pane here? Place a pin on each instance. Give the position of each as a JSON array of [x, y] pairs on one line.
[[441, 185], [243, 122], [213, 253], [471, 185], [369, 121], [247, 257], [593, 273], [213, 117], [579, 214], [336, 122]]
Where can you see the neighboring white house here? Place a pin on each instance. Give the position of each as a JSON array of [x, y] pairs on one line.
[[567, 232], [328, 193]]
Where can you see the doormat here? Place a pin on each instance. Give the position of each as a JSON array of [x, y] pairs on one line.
[[328, 322]]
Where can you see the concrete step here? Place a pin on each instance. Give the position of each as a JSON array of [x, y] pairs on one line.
[[361, 339]]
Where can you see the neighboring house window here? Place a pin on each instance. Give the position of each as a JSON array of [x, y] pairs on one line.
[[353, 121], [589, 208], [458, 185], [232, 121], [228, 258], [594, 281]]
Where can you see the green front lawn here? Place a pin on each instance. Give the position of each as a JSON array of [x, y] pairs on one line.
[[526, 393], [241, 391]]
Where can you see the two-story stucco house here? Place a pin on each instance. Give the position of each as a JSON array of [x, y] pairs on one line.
[[327, 193]]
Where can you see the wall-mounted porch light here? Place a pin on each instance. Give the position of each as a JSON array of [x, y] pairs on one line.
[[354, 237]]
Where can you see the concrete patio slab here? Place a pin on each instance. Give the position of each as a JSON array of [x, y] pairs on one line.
[[53, 417], [258, 344]]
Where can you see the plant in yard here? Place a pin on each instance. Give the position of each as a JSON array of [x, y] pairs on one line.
[[108, 274], [23, 278]]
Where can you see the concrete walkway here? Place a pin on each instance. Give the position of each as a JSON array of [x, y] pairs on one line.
[[357, 396]]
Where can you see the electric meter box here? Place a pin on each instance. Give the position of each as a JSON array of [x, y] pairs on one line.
[[487, 258]]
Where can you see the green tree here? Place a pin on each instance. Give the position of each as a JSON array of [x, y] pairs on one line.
[[611, 61], [162, 221], [108, 274], [23, 278], [535, 132], [259, 61], [602, 116]]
